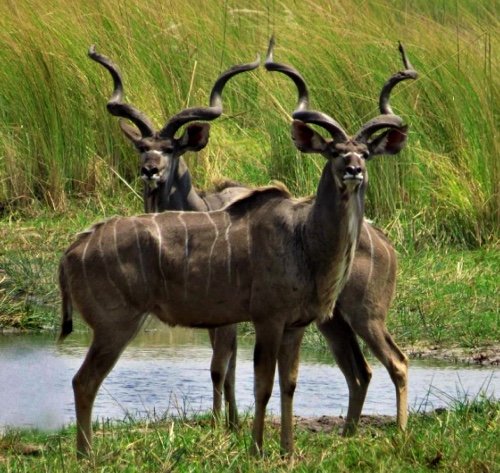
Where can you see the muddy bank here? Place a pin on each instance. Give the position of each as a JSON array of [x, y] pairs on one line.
[[329, 424], [483, 356]]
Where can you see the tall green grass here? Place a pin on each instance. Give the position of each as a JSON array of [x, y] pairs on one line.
[[58, 143]]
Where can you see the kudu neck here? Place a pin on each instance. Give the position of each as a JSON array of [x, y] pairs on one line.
[[182, 194], [334, 220]]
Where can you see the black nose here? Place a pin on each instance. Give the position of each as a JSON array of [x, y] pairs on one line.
[[353, 170], [149, 172]]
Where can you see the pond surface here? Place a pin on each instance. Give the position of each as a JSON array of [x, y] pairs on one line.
[[166, 371]]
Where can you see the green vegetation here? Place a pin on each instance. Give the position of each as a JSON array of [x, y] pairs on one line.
[[448, 298], [32, 245], [461, 439], [57, 142]]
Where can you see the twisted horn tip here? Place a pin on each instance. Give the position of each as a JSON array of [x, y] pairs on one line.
[[269, 56], [410, 71], [92, 51]]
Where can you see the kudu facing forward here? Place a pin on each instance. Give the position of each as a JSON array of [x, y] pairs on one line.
[[266, 257], [168, 186], [363, 304]]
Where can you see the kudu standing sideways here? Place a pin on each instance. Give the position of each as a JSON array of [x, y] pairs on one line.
[[168, 186], [266, 257], [363, 304]]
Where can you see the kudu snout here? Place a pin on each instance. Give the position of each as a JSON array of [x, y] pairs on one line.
[[156, 166], [147, 172], [353, 167], [353, 172]]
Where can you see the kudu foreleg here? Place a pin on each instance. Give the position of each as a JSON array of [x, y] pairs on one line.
[[267, 343], [230, 386], [288, 367], [103, 353], [345, 349], [223, 371]]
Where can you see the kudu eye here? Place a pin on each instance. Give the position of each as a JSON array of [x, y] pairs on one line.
[[167, 149]]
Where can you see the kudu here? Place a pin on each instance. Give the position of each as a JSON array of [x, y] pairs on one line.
[[168, 186], [363, 304], [266, 257]]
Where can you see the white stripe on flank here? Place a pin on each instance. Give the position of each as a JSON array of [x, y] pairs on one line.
[[211, 249], [160, 251], [226, 237], [371, 261], [120, 262], [186, 252], [139, 251], [389, 257], [108, 276], [84, 268]]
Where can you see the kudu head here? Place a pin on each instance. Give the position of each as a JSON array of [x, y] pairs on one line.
[[160, 150], [384, 134]]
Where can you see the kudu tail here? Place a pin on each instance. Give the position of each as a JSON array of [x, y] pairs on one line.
[[66, 306]]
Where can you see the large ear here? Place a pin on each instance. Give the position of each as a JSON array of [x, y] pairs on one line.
[[391, 141], [306, 139], [195, 137], [130, 131]]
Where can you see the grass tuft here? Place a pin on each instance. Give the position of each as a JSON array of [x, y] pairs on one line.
[[461, 438]]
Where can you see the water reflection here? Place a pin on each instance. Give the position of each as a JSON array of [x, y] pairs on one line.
[[167, 370]]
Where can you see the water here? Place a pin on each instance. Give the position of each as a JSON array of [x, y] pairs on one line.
[[167, 371]]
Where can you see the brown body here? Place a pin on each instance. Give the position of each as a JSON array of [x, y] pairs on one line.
[[172, 263]]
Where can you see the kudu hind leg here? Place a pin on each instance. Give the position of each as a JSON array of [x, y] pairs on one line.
[[288, 366], [223, 371], [102, 355], [351, 361], [395, 361]]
